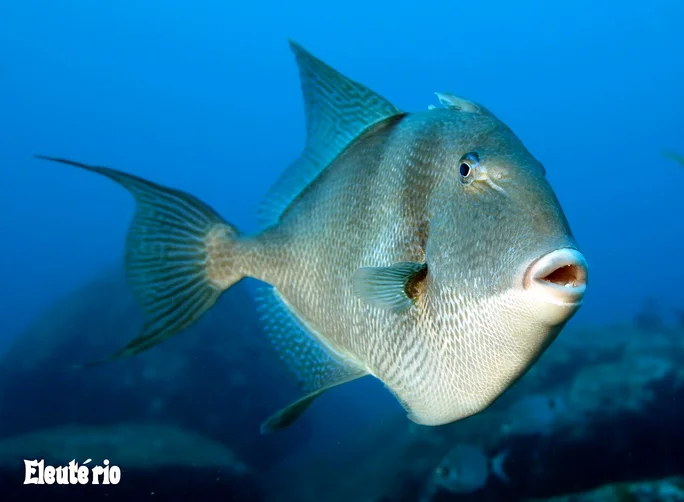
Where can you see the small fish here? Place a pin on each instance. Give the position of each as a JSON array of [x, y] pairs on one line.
[[465, 469], [426, 249], [537, 414], [674, 156]]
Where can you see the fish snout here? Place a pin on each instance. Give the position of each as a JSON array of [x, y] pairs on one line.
[[558, 277]]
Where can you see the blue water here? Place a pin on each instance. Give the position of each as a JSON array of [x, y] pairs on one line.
[[205, 96]]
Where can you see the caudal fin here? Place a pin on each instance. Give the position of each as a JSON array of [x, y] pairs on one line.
[[179, 257], [498, 466]]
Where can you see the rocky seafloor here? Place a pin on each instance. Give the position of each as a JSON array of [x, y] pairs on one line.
[[598, 418]]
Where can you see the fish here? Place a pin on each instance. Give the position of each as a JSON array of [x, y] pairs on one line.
[[425, 249], [538, 414], [466, 468], [673, 156]]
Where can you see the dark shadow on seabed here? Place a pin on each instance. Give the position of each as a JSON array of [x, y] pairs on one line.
[[181, 484], [219, 380], [616, 396]]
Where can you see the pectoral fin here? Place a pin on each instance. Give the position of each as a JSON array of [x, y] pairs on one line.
[[393, 288]]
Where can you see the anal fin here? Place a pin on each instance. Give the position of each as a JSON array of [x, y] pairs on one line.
[[316, 366]]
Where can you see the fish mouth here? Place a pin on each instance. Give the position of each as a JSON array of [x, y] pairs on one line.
[[559, 277]]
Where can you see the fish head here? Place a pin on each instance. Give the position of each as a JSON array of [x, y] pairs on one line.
[[504, 273], [498, 228]]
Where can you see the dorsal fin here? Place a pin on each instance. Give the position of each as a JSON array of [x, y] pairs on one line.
[[453, 102], [337, 110]]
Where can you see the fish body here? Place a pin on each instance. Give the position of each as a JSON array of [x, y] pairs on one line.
[[466, 468], [425, 249]]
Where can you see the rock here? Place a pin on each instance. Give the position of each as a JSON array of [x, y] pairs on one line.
[[598, 407], [128, 446], [221, 377], [663, 490], [153, 461]]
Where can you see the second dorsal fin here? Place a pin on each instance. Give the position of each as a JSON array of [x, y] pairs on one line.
[[337, 111]]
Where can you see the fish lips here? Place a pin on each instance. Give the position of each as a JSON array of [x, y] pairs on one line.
[[558, 277]]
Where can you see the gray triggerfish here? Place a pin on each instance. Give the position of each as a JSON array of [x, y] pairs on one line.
[[426, 249]]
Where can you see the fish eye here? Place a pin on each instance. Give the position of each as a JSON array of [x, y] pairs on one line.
[[466, 165], [442, 472]]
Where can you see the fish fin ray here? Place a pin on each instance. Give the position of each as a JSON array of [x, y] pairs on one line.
[[315, 366], [337, 110], [288, 415], [454, 102], [391, 288], [167, 257]]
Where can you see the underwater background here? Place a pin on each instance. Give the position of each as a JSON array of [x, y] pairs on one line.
[[206, 97]]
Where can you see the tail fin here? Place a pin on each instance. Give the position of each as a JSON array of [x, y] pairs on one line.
[[179, 257], [498, 467]]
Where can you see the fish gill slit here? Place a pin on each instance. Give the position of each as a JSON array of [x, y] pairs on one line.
[[416, 283]]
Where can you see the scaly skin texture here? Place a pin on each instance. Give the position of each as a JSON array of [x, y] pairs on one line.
[[395, 195]]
